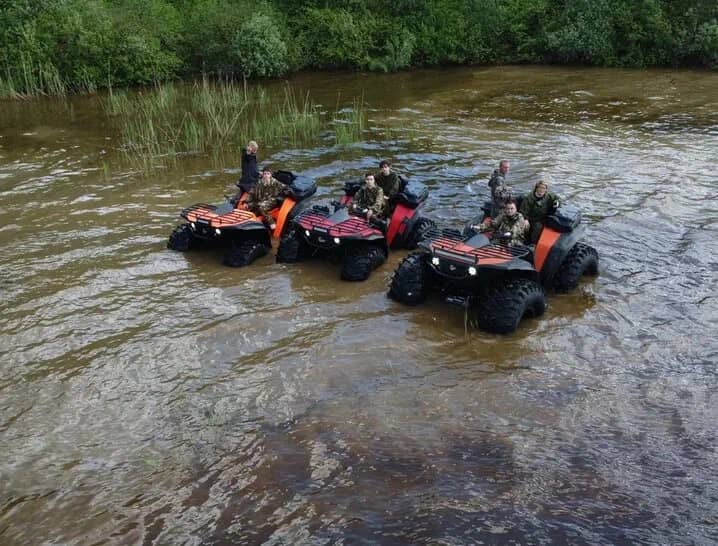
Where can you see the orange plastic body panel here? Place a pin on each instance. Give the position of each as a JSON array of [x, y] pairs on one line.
[[287, 206], [545, 243]]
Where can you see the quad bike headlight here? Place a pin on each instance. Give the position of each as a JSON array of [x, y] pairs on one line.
[[218, 231], [472, 271], [307, 233], [435, 260], [193, 225], [337, 240]]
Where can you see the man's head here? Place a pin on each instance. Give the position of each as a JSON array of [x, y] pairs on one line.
[[252, 147], [510, 209], [369, 180], [540, 188], [266, 174], [504, 166], [385, 166]]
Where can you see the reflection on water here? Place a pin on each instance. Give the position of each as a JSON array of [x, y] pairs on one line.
[[158, 398]]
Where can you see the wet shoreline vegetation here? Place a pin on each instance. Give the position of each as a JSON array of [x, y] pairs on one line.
[[57, 47], [162, 123]]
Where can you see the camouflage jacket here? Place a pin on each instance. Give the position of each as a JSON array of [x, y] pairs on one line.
[[497, 179], [511, 224], [390, 184], [265, 191], [372, 199], [536, 210]]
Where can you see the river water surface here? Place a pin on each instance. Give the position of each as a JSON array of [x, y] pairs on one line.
[[152, 397]]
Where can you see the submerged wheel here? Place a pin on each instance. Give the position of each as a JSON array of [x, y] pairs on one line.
[[292, 248], [360, 260], [244, 253], [582, 259], [409, 284], [181, 238], [507, 302], [421, 228]]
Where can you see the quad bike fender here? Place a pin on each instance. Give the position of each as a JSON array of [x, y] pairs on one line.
[[282, 215], [551, 248], [401, 224]]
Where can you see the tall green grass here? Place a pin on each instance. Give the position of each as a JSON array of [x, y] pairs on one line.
[[160, 124], [349, 123]]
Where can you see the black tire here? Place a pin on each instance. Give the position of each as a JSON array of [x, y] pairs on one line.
[[244, 253], [421, 228], [409, 285], [181, 239], [580, 260], [507, 302], [292, 248], [360, 260]]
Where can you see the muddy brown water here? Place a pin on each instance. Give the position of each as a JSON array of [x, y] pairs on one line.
[[151, 397]]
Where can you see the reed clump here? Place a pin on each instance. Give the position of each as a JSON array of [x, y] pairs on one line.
[[159, 124]]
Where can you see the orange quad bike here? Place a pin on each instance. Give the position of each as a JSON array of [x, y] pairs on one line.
[[239, 231], [500, 283], [360, 244]]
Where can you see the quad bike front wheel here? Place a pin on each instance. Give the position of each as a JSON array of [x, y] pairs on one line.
[[409, 285], [360, 260], [581, 260], [244, 253], [507, 302], [181, 239], [292, 248]]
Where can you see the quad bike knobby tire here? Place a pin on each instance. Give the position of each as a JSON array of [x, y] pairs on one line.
[[181, 238], [421, 227], [244, 253], [410, 282], [507, 302], [292, 248], [580, 260], [360, 260]]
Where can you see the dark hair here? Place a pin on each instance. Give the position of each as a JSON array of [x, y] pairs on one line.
[[267, 169], [367, 175], [384, 163], [510, 202]]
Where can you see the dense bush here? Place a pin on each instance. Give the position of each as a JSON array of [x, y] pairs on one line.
[[56, 45]]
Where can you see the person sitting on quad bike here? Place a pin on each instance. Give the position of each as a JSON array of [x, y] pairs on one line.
[[369, 198], [509, 224], [536, 207], [388, 181], [265, 196]]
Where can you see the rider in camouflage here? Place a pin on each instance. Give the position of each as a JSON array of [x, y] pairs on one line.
[[509, 221], [537, 206], [265, 196], [370, 197], [500, 191], [387, 180]]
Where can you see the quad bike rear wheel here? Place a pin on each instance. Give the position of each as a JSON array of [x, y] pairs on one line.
[[409, 285], [244, 253], [581, 260], [507, 302], [421, 228], [292, 248], [360, 260], [181, 239]]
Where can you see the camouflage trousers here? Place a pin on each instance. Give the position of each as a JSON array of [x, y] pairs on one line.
[[263, 208]]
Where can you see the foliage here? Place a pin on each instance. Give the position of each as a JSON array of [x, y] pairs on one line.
[[55, 46]]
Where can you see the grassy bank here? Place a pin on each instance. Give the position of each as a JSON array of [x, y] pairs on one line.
[[160, 124], [63, 46]]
